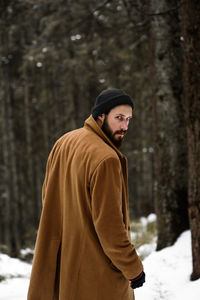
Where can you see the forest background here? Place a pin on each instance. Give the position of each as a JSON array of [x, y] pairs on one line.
[[56, 57]]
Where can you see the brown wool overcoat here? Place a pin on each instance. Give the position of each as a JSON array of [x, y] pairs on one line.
[[83, 249]]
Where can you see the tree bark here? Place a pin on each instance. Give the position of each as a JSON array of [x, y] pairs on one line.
[[191, 46], [169, 122], [5, 222], [10, 151], [29, 157]]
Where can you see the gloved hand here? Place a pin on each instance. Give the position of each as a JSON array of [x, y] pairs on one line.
[[138, 281]]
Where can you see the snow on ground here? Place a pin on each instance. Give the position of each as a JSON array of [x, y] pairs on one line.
[[17, 275], [167, 275]]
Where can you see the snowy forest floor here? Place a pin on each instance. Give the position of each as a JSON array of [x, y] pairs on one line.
[[167, 271]]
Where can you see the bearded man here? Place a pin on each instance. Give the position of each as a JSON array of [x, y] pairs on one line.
[[83, 249]]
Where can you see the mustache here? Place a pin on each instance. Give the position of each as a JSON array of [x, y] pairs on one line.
[[121, 131]]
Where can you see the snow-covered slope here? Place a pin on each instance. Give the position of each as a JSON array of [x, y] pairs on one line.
[[168, 273]]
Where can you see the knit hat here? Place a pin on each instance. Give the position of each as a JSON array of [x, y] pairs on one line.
[[108, 99]]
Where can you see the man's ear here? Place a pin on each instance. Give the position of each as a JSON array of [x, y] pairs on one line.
[[100, 119]]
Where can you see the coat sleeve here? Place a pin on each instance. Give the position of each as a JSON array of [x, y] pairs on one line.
[[43, 275], [106, 197]]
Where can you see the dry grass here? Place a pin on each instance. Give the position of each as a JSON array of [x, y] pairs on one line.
[[143, 234], [2, 278]]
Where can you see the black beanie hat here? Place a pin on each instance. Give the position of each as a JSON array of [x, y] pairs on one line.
[[108, 99]]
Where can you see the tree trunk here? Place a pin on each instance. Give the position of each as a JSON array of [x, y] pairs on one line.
[[29, 157], [169, 122], [10, 150], [5, 238], [191, 45]]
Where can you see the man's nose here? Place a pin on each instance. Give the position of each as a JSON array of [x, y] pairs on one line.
[[124, 125]]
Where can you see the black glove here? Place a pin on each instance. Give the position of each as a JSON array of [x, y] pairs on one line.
[[138, 281]]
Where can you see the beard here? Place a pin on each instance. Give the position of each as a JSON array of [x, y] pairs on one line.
[[112, 135]]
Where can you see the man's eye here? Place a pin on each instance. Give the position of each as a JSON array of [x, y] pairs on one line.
[[119, 117]]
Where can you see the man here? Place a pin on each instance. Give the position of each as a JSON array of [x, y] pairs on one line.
[[83, 249]]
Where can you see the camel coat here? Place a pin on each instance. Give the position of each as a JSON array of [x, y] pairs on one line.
[[83, 249]]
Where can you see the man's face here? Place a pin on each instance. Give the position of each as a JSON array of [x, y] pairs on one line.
[[116, 123]]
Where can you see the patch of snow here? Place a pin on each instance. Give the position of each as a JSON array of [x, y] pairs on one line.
[[14, 289], [168, 273], [17, 274], [151, 218], [147, 249], [39, 64], [26, 251], [143, 221], [13, 267], [44, 50]]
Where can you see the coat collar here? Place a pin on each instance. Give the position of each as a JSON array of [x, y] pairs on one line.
[[92, 125]]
